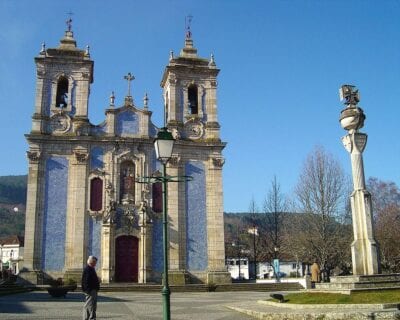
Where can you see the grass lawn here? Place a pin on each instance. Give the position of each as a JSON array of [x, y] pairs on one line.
[[382, 296]]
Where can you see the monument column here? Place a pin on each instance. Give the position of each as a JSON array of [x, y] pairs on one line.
[[364, 249]]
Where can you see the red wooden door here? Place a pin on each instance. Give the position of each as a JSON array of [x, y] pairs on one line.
[[126, 259]]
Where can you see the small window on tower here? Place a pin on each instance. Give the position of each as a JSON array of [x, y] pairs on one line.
[[62, 93], [192, 96], [96, 194]]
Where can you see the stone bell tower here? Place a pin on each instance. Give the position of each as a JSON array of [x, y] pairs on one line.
[[55, 213], [190, 111], [64, 75]]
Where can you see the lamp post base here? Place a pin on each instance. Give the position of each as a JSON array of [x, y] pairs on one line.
[[166, 303]]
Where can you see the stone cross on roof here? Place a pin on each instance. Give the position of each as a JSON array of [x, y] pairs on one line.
[[129, 77], [69, 21], [188, 23]]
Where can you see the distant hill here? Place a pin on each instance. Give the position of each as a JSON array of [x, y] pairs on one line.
[[12, 205], [13, 189]]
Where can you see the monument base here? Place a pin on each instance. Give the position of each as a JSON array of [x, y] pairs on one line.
[[349, 284]]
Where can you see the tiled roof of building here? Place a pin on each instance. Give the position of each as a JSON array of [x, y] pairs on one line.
[[12, 240]]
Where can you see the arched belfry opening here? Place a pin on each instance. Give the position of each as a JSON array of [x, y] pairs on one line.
[[193, 101], [62, 93]]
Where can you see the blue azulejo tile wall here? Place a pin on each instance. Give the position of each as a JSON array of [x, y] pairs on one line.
[[157, 245], [55, 213], [196, 217], [127, 123], [94, 245], [96, 158]]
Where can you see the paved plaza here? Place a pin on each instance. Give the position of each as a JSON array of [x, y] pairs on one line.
[[126, 305], [184, 306]]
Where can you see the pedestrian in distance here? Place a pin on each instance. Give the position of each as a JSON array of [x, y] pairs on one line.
[[315, 273], [90, 286]]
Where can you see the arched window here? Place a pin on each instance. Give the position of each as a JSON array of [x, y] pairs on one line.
[[62, 93], [157, 197], [96, 194], [192, 97], [127, 181]]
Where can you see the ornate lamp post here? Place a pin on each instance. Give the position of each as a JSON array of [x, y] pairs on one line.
[[163, 145], [364, 249]]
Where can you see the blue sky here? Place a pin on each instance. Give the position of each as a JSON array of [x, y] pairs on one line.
[[282, 63]]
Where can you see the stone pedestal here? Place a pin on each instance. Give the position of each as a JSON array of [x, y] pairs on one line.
[[31, 278], [73, 274], [178, 278], [219, 277]]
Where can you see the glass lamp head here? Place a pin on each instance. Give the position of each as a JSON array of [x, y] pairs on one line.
[[163, 145]]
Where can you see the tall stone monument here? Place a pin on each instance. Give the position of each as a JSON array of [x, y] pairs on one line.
[[364, 249]]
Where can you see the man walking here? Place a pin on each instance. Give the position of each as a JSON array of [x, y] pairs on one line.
[[90, 286]]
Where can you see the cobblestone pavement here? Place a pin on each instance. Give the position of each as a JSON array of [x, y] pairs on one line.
[[127, 305]]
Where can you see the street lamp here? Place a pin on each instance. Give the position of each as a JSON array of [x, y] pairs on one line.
[[163, 145]]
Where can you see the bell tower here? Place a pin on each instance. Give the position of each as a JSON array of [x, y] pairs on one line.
[[58, 166], [190, 94], [190, 112], [64, 75]]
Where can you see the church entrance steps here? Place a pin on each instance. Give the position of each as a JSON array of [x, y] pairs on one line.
[[203, 287]]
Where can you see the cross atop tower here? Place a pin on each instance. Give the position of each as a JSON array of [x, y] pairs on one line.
[[69, 21], [129, 77], [188, 24]]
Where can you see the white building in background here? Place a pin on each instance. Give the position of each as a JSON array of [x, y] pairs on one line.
[[238, 268], [11, 253], [290, 269], [244, 267]]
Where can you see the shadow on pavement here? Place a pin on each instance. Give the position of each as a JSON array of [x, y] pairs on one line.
[[15, 303]]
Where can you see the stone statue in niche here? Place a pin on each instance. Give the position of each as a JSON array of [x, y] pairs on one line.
[[127, 183], [109, 214]]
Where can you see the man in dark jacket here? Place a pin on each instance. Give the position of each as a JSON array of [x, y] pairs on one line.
[[90, 286]]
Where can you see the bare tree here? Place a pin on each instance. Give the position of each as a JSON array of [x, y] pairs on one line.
[[271, 235], [322, 194], [386, 206]]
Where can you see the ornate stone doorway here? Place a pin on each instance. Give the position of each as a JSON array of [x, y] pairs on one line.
[[126, 259]]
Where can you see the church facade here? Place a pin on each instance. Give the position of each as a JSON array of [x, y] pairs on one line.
[[85, 192]]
